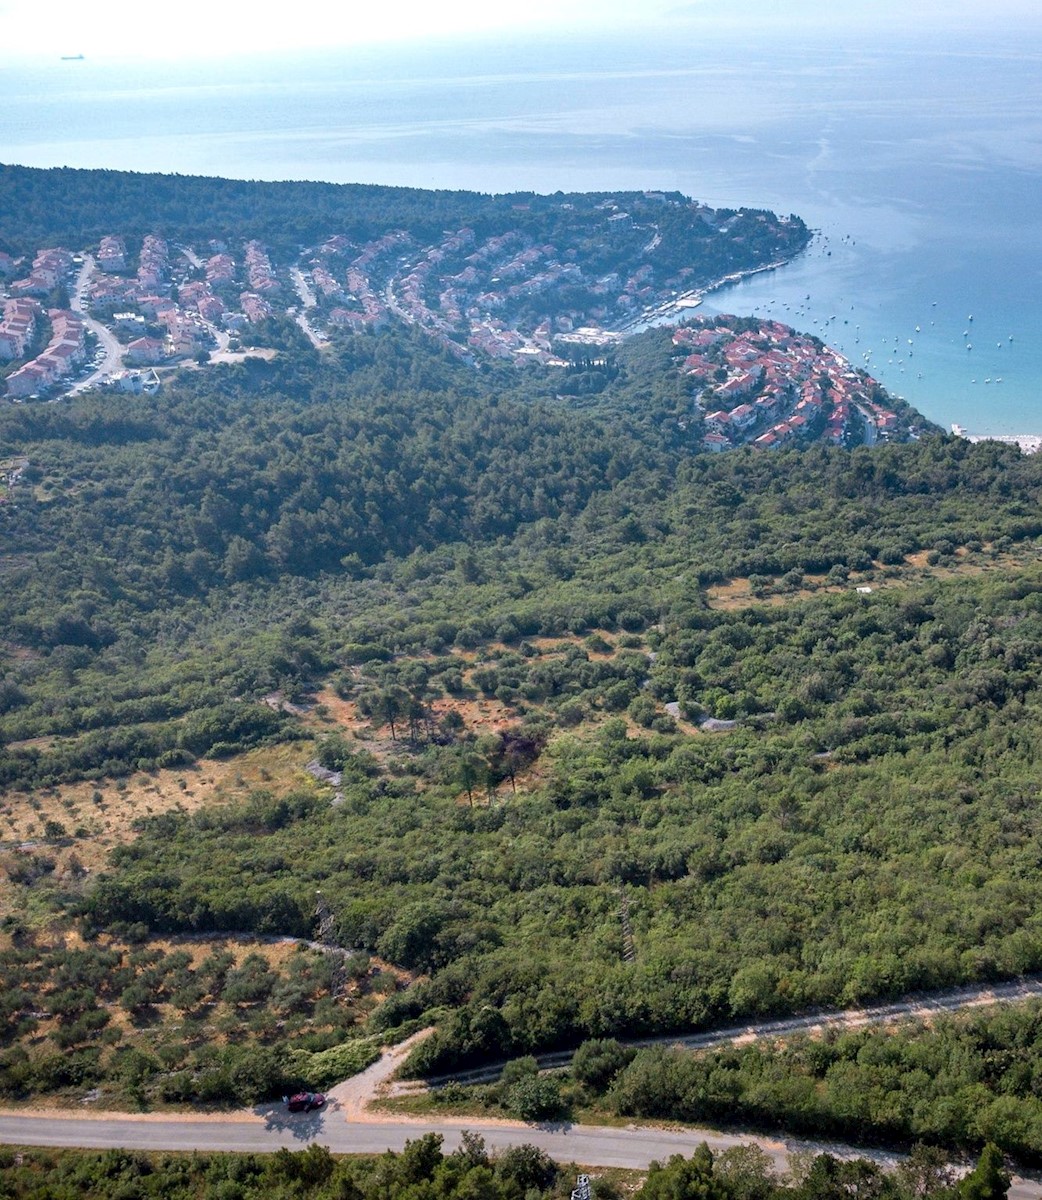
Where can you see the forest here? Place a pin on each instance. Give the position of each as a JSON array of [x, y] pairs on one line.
[[167, 556], [77, 208], [420, 547], [959, 1081], [624, 738]]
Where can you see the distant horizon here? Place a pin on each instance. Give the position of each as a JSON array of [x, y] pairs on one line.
[[109, 31], [914, 149]]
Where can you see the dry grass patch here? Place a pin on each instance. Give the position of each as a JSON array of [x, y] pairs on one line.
[[337, 711], [480, 715], [738, 592], [45, 742], [551, 645], [76, 825], [344, 716]]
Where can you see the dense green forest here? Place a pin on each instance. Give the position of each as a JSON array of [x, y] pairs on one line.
[[875, 833], [426, 539], [77, 208], [167, 557], [962, 1081], [630, 738]]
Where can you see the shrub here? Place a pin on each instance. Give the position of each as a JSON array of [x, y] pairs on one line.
[[323, 1068], [598, 1061], [535, 1098], [518, 1069]]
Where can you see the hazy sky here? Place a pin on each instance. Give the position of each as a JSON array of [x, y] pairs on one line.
[[205, 28], [197, 27]]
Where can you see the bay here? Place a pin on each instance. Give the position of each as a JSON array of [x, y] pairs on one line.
[[917, 157]]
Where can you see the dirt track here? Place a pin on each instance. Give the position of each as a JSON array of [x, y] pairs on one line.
[[918, 1007]]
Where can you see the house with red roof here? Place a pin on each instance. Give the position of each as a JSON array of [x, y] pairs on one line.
[[743, 416], [145, 350]]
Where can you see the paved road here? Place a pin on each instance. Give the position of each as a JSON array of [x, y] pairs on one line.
[[348, 1129], [870, 426], [307, 299], [113, 350], [391, 300], [266, 1131], [220, 336], [595, 1146], [192, 257]]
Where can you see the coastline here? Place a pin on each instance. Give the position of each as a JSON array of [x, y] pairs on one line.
[[1029, 443], [674, 310]]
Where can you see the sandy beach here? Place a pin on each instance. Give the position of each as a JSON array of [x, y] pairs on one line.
[[1028, 442]]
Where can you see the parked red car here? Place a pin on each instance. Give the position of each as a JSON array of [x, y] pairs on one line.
[[305, 1101]]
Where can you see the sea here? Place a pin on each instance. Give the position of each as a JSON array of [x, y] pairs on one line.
[[916, 157]]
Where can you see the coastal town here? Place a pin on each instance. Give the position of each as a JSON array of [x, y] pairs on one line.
[[515, 282], [122, 315], [761, 383]]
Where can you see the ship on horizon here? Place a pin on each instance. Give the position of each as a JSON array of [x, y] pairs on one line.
[[72, 58]]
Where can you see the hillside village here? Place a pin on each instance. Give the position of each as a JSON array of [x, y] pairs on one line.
[[122, 314], [761, 383], [509, 277]]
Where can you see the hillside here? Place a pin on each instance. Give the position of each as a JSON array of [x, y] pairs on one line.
[[579, 729], [198, 266], [504, 620]]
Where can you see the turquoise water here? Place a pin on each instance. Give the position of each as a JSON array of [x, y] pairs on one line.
[[920, 161]]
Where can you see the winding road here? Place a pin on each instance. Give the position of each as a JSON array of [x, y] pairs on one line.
[[350, 1126]]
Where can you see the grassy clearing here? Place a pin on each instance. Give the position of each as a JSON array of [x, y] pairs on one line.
[[742, 592]]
